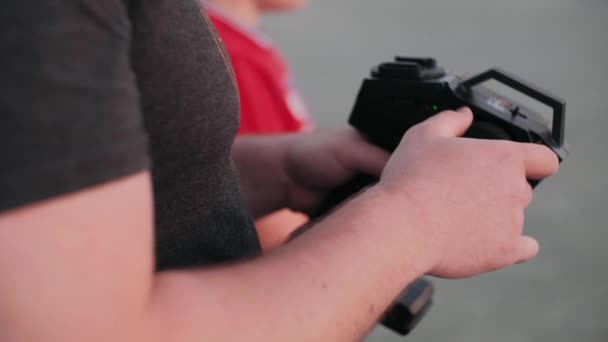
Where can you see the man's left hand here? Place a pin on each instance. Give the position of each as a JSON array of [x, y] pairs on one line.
[[317, 163]]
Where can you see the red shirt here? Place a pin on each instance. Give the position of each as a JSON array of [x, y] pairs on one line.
[[269, 101]]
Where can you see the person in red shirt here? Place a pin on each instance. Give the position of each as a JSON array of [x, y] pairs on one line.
[[270, 102]]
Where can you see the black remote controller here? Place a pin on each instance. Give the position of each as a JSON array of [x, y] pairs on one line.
[[404, 92]]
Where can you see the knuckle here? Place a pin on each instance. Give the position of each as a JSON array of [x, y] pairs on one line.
[[506, 153], [527, 194], [498, 262], [506, 251], [522, 193], [417, 135], [517, 222], [420, 129]]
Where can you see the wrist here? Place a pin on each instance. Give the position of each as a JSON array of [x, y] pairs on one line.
[[408, 221]]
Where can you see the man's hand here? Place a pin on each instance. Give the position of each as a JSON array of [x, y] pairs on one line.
[[79, 267], [471, 194], [297, 171], [319, 162]]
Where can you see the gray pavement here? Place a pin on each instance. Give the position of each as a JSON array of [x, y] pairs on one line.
[[561, 45]]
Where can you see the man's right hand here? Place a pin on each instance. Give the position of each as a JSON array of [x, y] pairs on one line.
[[85, 259], [470, 193]]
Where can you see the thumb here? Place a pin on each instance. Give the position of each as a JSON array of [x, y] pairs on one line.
[[449, 123], [361, 156]]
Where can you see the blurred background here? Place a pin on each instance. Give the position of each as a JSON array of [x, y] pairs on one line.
[[560, 45]]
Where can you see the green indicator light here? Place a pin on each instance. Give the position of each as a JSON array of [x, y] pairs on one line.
[[435, 108]]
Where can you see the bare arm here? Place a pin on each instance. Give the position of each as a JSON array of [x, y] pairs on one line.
[[78, 267], [330, 285]]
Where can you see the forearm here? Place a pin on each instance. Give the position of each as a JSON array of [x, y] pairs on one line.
[[260, 164], [79, 267], [331, 284]]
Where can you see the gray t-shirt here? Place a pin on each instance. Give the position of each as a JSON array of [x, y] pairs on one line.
[[91, 91]]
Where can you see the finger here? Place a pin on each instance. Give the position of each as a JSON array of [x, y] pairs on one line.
[[539, 161], [448, 123], [527, 249], [527, 194], [363, 157]]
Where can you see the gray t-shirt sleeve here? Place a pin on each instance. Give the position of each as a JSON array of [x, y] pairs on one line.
[[69, 107]]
